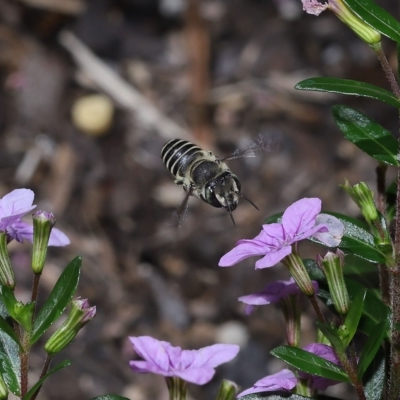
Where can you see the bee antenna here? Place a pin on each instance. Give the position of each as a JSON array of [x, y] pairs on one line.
[[230, 213], [247, 199]]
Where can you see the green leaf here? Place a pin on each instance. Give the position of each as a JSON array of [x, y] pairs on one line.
[[332, 335], [109, 397], [366, 134], [59, 298], [310, 363], [354, 315], [374, 379], [6, 328], [374, 309], [376, 17], [314, 271], [357, 240], [10, 363], [39, 383], [9, 301], [372, 346], [349, 87]]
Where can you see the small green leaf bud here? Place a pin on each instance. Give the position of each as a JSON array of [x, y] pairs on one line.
[[332, 266], [79, 316], [43, 223]]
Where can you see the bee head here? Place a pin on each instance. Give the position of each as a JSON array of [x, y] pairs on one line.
[[223, 191]]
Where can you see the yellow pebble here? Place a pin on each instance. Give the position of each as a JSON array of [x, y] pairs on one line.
[[93, 114]]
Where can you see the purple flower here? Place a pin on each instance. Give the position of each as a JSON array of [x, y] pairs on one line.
[[286, 379], [314, 7], [282, 380], [13, 206], [346, 15], [195, 366], [275, 240], [272, 293], [326, 352]]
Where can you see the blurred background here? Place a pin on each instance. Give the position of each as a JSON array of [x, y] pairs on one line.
[[90, 92]]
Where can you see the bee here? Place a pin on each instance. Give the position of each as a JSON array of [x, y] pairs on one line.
[[202, 174]]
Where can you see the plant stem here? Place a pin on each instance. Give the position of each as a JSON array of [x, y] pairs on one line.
[[386, 68], [381, 206], [394, 272], [45, 368], [24, 358], [316, 308], [35, 287]]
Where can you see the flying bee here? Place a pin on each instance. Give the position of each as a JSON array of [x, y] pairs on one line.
[[204, 175]]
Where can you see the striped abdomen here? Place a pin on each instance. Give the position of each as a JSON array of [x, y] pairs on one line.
[[179, 154]]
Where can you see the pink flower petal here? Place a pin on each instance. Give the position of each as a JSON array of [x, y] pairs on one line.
[[199, 376], [245, 249], [314, 7], [215, 355], [300, 216], [151, 350], [284, 379], [273, 257], [58, 238], [14, 205]]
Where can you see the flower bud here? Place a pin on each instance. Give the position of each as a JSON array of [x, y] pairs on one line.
[[332, 265], [364, 198], [359, 27], [299, 273], [7, 277], [43, 223], [292, 313], [227, 390], [79, 316]]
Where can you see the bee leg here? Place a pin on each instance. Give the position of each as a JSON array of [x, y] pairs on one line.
[[229, 211]]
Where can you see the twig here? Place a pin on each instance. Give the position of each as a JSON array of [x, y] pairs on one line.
[[70, 7], [120, 90]]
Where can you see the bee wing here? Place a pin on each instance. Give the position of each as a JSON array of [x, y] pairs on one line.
[[262, 143], [180, 213]]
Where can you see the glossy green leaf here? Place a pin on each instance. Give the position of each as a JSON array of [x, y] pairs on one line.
[[374, 309], [109, 397], [364, 272], [366, 134], [349, 87], [314, 270], [332, 335], [59, 298], [354, 315], [374, 379], [372, 345], [376, 17], [357, 240], [9, 300], [310, 363], [10, 363], [39, 383], [6, 328]]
